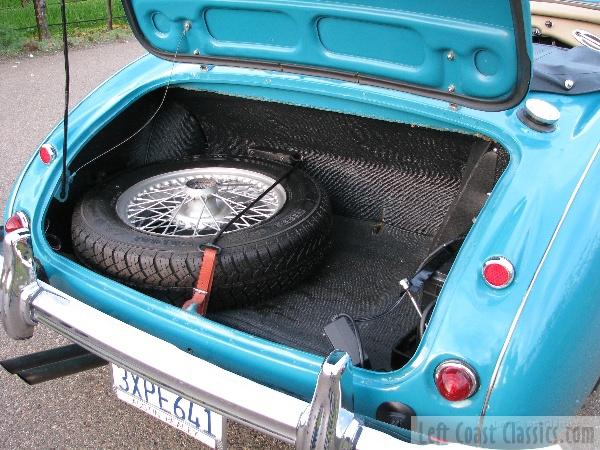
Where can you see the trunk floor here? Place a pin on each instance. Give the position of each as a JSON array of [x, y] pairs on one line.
[[359, 277]]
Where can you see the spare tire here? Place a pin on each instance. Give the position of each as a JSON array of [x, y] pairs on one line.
[[145, 229]]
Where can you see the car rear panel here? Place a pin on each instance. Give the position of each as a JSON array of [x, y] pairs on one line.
[[471, 321]]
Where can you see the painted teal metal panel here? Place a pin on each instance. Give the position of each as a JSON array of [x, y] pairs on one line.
[[405, 44], [552, 363]]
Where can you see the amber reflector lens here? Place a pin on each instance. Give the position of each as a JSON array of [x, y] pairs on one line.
[[47, 153], [14, 223], [455, 381]]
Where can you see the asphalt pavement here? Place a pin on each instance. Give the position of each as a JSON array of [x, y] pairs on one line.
[[80, 411]]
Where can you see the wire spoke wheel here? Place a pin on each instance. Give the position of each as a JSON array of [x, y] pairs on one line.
[[199, 201]]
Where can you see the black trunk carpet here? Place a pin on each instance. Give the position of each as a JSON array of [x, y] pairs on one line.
[[359, 277]]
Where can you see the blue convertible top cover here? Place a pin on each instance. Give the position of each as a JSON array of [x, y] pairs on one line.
[[554, 66]]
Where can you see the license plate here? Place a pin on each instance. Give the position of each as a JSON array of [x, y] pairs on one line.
[[179, 412]]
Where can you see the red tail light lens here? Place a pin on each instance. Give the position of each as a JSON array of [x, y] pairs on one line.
[[16, 222], [455, 380], [498, 272], [47, 153]]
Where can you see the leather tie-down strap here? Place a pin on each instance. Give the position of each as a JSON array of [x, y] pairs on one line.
[[199, 301]]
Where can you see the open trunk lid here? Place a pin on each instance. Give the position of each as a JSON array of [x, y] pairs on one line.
[[471, 53]]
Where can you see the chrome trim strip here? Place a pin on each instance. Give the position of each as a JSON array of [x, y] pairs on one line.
[[580, 4], [587, 38], [519, 312]]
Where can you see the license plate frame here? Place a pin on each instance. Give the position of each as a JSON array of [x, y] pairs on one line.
[[181, 413]]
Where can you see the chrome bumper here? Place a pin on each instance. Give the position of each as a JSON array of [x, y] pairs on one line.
[[320, 424]]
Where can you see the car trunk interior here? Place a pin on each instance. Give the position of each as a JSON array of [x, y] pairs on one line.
[[397, 191]]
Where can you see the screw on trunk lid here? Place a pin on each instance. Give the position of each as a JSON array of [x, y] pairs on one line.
[[539, 115]]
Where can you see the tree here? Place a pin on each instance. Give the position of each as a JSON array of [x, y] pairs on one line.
[[41, 19], [109, 18]]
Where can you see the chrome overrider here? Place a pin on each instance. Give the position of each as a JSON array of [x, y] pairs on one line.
[[325, 424], [321, 424], [19, 285]]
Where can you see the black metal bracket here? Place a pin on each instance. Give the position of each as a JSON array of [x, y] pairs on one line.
[[51, 364]]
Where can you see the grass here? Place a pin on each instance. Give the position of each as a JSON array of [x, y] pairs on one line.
[[11, 41], [15, 16], [86, 21]]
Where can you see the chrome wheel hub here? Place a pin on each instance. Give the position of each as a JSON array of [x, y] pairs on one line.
[[199, 202], [201, 187]]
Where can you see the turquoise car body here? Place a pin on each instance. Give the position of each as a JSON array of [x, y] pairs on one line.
[[533, 344]]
